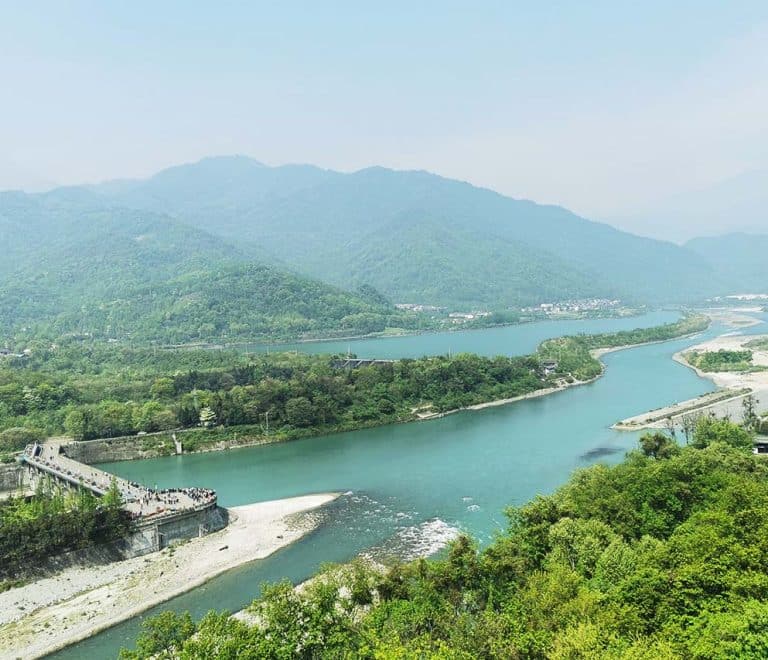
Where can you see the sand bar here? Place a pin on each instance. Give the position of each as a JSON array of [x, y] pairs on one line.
[[738, 384], [52, 613]]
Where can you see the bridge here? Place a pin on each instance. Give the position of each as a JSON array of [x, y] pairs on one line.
[[160, 516]]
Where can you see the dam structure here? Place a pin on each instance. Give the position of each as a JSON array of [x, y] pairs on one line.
[[160, 517]]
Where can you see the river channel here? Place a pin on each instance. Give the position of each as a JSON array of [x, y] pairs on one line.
[[409, 486]]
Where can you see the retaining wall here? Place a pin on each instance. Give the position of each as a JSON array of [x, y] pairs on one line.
[[109, 450], [151, 445], [151, 536], [10, 477]]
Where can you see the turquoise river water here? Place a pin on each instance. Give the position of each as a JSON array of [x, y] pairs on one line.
[[408, 486]]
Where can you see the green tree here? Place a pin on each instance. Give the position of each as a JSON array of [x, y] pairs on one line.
[[161, 636], [163, 388], [300, 412], [16, 438], [658, 445], [75, 424], [709, 429]]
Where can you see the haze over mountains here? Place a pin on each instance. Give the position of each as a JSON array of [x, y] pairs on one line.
[[737, 204], [228, 247]]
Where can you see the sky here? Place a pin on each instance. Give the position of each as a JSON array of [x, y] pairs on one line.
[[605, 107]]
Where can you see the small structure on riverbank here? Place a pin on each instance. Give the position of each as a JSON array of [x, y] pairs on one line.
[[549, 367]]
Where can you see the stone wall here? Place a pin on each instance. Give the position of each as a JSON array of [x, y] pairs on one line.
[[153, 536], [109, 450], [10, 477], [151, 445]]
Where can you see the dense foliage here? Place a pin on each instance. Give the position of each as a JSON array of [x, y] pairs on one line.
[[662, 556], [122, 274], [722, 360], [33, 530], [574, 354], [298, 392], [91, 391]]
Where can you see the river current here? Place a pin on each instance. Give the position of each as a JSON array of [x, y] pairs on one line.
[[409, 487]]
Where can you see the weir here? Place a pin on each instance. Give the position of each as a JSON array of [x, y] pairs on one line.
[[161, 517]]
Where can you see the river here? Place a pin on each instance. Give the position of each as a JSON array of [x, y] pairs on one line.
[[407, 486]]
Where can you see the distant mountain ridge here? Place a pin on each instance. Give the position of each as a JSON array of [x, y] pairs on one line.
[[323, 223], [736, 204], [229, 248], [741, 257]]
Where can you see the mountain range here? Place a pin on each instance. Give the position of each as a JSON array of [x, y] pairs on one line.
[[738, 204], [231, 248]]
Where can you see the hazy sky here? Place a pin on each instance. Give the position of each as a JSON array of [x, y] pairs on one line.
[[604, 107]]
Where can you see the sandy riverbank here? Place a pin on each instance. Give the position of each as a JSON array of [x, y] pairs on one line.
[[500, 402], [739, 384], [51, 613]]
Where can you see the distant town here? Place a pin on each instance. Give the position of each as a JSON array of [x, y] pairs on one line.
[[574, 306], [581, 306]]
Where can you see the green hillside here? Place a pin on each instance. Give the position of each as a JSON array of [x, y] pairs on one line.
[[330, 226], [234, 302], [80, 267], [230, 249], [459, 268]]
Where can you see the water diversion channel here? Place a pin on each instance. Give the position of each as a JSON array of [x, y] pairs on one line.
[[408, 485]]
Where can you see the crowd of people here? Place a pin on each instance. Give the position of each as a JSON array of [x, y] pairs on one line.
[[139, 500], [164, 499]]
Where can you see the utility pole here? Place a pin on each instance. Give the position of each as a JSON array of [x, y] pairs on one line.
[[266, 417]]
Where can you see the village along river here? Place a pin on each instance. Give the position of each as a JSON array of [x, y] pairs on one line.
[[410, 486]]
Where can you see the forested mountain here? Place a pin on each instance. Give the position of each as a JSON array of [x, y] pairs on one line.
[[229, 248], [458, 268], [74, 265], [741, 257], [355, 228]]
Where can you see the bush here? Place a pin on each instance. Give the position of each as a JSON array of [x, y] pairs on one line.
[[18, 437]]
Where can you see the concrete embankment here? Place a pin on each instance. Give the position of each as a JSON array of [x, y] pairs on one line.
[[137, 447], [10, 477], [721, 403], [727, 401]]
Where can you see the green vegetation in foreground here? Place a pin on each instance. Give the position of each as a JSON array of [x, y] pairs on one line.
[[106, 391], [722, 360], [48, 524], [662, 556]]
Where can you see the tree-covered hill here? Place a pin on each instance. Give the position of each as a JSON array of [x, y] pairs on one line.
[[326, 224], [227, 248], [74, 265], [428, 262]]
